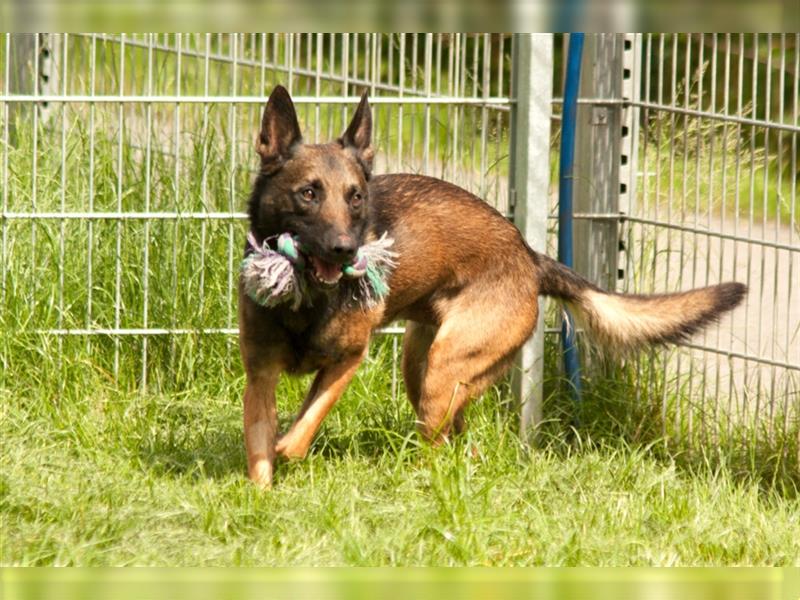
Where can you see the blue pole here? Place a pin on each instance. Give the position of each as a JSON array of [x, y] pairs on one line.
[[566, 178]]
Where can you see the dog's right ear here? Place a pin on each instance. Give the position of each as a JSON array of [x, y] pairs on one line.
[[280, 131]]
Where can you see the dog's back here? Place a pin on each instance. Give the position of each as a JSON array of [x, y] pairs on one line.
[[448, 241]]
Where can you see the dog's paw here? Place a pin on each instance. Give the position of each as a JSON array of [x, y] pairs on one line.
[[261, 474], [286, 448]]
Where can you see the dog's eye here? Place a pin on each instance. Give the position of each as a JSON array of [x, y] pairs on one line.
[[356, 200], [308, 194]]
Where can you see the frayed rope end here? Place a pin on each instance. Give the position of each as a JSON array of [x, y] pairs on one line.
[[270, 278]]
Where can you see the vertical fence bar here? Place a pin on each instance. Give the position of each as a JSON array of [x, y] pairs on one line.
[[530, 179], [762, 268], [147, 199], [62, 199], [486, 80], [793, 234], [401, 80], [426, 154], [728, 320], [176, 150], [118, 249], [234, 48], [6, 149], [34, 169], [748, 300], [777, 220], [740, 408], [6, 112], [90, 197], [714, 413], [204, 177]]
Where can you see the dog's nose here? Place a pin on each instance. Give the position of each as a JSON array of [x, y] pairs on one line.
[[344, 248]]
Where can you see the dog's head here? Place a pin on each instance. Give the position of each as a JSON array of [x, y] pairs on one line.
[[317, 192]]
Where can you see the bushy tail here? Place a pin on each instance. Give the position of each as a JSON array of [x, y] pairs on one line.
[[626, 322]]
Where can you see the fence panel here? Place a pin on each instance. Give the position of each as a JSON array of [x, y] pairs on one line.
[[127, 161], [716, 200]]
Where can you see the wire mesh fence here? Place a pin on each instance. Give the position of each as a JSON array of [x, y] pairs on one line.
[[126, 161], [700, 188], [718, 202]]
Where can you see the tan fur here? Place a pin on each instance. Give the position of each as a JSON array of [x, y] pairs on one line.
[[620, 321], [261, 425], [623, 324]]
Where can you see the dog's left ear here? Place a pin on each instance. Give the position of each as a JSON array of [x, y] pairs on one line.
[[358, 137]]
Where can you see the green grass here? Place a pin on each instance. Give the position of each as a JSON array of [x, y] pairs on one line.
[[95, 476]]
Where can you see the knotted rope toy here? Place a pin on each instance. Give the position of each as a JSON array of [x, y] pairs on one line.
[[272, 277]]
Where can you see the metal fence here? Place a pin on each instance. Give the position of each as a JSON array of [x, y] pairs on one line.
[[126, 221], [136, 139], [702, 188]]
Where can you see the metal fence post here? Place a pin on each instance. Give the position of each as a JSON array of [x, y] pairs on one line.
[[49, 72], [606, 153], [532, 88], [33, 65], [22, 54]]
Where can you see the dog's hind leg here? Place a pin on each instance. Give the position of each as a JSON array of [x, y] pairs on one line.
[[416, 344], [326, 390], [261, 424], [471, 350]]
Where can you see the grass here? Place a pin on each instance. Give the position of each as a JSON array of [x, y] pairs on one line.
[[96, 476]]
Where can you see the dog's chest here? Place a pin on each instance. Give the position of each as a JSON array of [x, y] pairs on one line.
[[318, 336]]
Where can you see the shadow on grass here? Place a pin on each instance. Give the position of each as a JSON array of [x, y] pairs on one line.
[[216, 448], [192, 441], [217, 455]]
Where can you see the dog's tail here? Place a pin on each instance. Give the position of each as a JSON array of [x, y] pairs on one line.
[[625, 322]]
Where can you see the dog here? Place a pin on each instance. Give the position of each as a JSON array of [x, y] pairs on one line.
[[463, 278]]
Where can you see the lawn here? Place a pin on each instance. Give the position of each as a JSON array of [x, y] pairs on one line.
[[90, 475]]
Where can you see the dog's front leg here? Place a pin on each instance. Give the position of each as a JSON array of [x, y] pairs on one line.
[[261, 424], [326, 390]]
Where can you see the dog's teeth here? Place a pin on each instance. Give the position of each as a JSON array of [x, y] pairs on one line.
[[326, 273]]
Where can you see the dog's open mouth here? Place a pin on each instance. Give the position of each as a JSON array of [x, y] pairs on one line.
[[325, 273]]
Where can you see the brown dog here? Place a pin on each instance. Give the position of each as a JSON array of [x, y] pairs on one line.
[[465, 280]]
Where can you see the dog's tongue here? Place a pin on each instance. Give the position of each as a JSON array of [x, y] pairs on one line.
[[325, 271]]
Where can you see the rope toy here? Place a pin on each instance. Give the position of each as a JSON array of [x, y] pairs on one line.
[[273, 277]]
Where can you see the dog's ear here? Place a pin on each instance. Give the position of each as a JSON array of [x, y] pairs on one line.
[[358, 137], [280, 132]]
